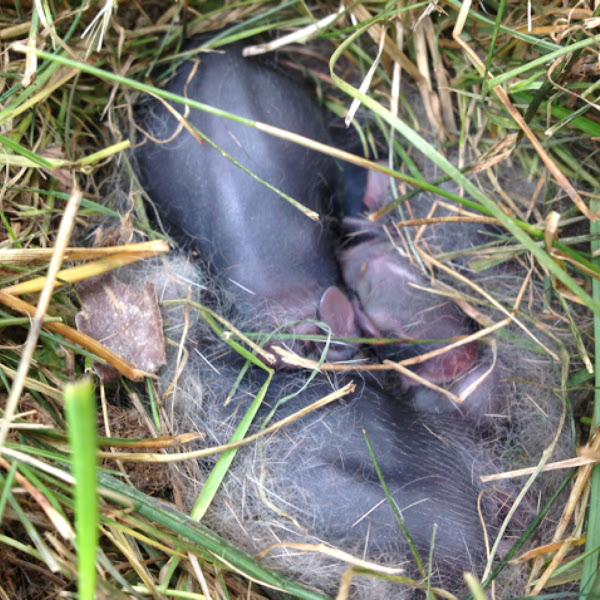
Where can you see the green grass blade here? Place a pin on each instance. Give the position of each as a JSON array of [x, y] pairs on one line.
[[80, 406], [590, 564], [213, 481]]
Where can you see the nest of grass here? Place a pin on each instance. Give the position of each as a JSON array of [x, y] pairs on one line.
[[518, 87]]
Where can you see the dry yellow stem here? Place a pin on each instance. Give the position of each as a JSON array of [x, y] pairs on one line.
[[123, 366], [79, 273], [23, 256]]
